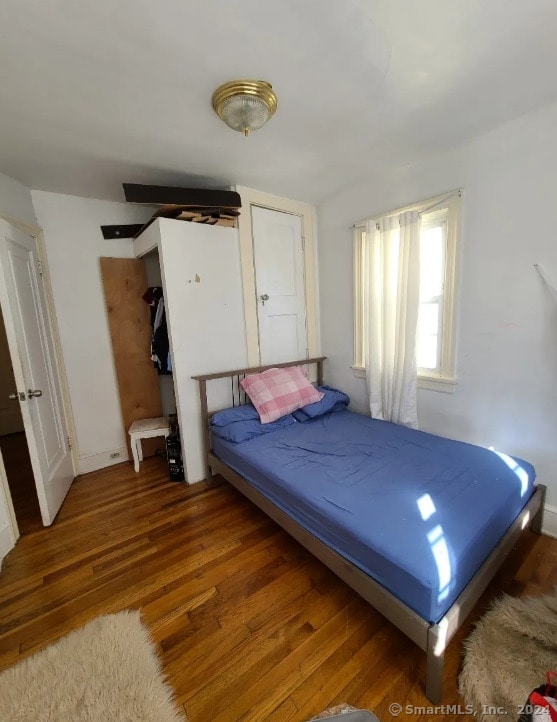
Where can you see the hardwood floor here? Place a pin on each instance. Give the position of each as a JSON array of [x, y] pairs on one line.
[[21, 482], [248, 625]]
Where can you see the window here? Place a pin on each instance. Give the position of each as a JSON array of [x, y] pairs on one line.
[[439, 228]]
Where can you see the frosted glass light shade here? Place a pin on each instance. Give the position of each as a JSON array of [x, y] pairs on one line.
[[244, 113], [245, 105]]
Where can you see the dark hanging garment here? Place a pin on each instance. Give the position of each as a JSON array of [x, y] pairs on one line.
[[160, 349], [152, 295]]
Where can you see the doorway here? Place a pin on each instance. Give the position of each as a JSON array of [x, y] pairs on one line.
[[30, 330], [140, 342], [14, 449], [253, 200], [165, 380]]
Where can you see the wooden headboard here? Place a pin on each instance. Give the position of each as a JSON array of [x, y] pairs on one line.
[[238, 395]]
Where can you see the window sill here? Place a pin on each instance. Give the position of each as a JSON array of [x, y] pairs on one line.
[[429, 383], [436, 383]]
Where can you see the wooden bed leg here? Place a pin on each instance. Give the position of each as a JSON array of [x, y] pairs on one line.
[[435, 663], [537, 520]]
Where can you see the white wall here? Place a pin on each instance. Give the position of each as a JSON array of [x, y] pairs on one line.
[[205, 311], [74, 245], [507, 321], [15, 201]]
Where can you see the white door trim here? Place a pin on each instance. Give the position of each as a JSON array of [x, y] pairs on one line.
[[251, 197], [37, 233]]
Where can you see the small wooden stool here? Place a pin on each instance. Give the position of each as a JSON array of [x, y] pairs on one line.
[[146, 429]]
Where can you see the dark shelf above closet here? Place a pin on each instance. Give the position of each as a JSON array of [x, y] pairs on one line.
[[196, 205], [123, 231], [172, 195]]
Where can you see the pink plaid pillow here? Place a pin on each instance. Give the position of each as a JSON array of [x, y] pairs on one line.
[[277, 392]]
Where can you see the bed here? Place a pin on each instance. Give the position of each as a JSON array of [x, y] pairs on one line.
[[415, 523]]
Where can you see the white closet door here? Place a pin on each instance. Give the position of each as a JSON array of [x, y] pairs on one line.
[[280, 285]]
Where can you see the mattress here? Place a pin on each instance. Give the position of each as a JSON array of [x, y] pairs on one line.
[[418, 513]]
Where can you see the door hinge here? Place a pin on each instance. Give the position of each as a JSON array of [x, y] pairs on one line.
[[70, 443], [303, 243], [40, 265], [307, 352]]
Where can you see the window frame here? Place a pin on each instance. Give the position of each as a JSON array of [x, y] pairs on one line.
[[358, 367], [445, 378], [442, 219]]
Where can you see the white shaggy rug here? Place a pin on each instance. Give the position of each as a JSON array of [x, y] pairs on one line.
[[507, 655], [106, 672]]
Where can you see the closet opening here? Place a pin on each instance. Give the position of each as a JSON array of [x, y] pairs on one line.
[[164, 368], [137, 319], [13, 445]]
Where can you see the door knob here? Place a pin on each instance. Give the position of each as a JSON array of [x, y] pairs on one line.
[[264, 297], [18, 396], [34, 394]]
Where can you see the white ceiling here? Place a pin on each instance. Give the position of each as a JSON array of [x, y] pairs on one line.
[[100, 92]]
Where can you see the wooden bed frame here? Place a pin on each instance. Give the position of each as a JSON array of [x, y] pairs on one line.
[[432, 638]]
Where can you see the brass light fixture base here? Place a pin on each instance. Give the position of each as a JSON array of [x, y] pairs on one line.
[[259, 89]]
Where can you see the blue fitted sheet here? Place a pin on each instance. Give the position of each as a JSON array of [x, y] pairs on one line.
[[418, 513]]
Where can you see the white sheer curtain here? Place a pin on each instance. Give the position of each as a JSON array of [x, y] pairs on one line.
[[392, 284]]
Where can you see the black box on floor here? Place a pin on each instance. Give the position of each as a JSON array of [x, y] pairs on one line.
[[174, 457]]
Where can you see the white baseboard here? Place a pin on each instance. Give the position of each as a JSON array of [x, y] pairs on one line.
[[549, 526], [93, 462]]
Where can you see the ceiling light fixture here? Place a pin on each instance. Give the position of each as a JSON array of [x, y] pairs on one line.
[[245, 105]]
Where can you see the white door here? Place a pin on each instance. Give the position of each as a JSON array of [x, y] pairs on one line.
[[10, 414], [34, 364], [279, 277]]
